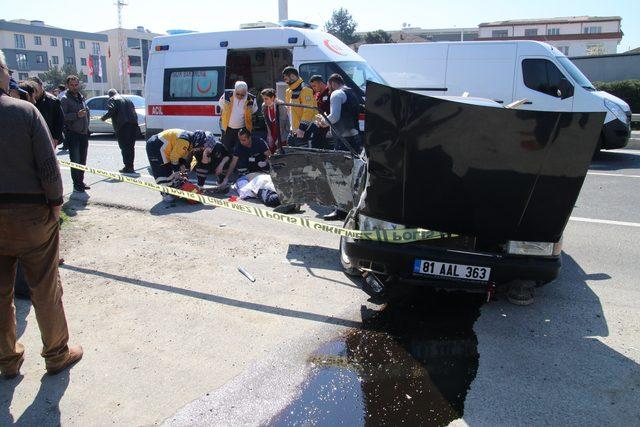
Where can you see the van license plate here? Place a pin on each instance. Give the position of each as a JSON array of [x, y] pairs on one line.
[[451, 271]]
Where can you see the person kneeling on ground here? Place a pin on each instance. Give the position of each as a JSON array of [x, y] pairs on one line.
[[251, 155], [168, 152], [213, 156]]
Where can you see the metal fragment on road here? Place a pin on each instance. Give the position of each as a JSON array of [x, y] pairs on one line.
[[246, 274]]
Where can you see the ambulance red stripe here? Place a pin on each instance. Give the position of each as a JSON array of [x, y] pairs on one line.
[[182, 110]]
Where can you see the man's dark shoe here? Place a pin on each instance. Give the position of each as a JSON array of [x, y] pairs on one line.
[[86, 187], [335, 216], [74, 356], [127, 170], [78, 189], [13, 371]]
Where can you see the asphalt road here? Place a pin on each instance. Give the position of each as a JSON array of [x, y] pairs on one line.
[[571, 358]]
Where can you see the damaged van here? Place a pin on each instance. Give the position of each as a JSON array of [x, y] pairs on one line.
[[498, 183]]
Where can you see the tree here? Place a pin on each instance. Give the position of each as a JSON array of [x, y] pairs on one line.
[[377, 37], [343, 26]]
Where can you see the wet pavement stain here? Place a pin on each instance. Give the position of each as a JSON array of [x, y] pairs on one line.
[[409, 364]]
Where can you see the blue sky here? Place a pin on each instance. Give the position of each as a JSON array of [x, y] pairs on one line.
[[161, 15]]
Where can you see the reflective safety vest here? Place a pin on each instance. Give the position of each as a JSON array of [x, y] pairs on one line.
[[300, 93], [227, 108]]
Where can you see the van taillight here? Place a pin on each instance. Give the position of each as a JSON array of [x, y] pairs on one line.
[[162, 47]]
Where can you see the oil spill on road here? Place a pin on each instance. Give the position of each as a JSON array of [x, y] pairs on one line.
[[409, 364]]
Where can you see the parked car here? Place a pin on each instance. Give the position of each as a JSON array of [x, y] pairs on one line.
[[98, 107]]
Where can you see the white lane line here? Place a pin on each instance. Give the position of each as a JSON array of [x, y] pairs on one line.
[[605, 221], [613, 174]]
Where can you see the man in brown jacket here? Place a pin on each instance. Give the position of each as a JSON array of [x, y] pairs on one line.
[[30, 200]]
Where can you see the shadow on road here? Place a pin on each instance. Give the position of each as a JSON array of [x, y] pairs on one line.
[[314, 258], [612, 161], [547, 364], [279, 311]]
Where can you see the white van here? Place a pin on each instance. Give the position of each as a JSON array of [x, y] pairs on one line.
[[504, 71], [187, 73]]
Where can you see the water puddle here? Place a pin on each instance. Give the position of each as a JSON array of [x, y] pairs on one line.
[[409, 364]]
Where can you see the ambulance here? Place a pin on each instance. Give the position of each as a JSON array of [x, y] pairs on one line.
[[187, 73]]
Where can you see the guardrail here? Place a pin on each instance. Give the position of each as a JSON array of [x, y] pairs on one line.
[[635, 117]]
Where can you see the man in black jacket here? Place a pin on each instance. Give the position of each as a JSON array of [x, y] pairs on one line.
[[49, 107], [123, 116]]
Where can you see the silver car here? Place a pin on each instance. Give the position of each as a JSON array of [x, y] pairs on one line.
[[98, 107]]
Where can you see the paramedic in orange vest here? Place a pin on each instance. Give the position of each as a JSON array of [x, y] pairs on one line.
[[302, 119], [237, 106]]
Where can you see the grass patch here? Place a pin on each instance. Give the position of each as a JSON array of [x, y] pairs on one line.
[[64, 219]]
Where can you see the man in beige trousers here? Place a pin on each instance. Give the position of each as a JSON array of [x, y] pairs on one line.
[[30, 200]]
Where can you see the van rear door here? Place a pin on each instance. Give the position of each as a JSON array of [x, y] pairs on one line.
[[538, 80]]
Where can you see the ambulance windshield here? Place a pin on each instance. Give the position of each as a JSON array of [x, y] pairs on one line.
[[360, 72]]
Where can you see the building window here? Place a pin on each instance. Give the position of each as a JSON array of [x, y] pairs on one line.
[[500, 33], [135, 61], [541, 75], [53, 41], [67, 42], [68, 60], [564, 49], [530, 32], [82, 44], [592, 30], [95, 48], [23, 76], [39, 59], [54, 60], [21, 59], [83, 61], [135, 78], [553, 31], [37, 40], [595, 49], [19, 39], [133, 43]]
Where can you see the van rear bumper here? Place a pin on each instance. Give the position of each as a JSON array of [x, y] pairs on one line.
[[615, 134], [398, 260]]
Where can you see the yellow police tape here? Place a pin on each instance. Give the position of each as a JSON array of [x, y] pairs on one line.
[[391, 236]]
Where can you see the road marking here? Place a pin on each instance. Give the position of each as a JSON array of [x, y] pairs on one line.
[[605, 221], [613, 174]]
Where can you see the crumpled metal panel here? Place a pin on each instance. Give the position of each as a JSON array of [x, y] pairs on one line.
[[474, 170], [323, 177]]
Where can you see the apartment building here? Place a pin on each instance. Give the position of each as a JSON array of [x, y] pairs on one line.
[[31, 48], [129, 75], [574, 35]]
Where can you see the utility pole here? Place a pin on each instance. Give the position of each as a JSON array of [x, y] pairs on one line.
[[283, 10], [121, 43]]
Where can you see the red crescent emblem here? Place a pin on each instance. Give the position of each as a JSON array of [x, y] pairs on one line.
[[332, 48], [205, 90]]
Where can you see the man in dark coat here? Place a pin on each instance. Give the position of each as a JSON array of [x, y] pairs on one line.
[[49, 107], [123, 116]]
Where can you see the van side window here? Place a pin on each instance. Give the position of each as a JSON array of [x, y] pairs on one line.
[[193, 84], [308, 70], [541, 75]]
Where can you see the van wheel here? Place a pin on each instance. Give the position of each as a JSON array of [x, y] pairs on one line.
[[345, 261]]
